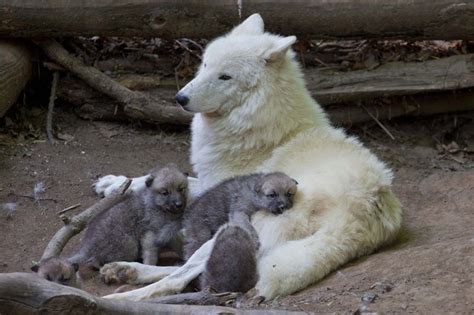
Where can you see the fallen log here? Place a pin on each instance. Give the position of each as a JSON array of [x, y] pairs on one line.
[[406, 106], [392, 79], [424, 19], [15, 71], [22, 293], [137, 105]]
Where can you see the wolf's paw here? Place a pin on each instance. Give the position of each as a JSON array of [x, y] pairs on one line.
[[251, 299], [105, 185], [118, 272]]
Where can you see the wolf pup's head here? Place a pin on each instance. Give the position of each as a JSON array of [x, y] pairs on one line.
[[275, 192], [233, 68], [59, 270], [166, 189]]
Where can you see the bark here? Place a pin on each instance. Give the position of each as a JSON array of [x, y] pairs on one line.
[[137, 105], [422, 19], [22, 293], [391, 79], [15, 71], [407, 106]]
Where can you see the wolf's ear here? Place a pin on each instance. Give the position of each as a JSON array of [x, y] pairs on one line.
[[253, 25], [279, 48]]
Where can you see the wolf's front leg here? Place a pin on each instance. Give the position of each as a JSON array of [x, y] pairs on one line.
[[105, 185], [175, 282], [134, 273]]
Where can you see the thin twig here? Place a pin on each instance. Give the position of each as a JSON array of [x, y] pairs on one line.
[[187, 48], [379, 123], [69, 208], [49, 115], [194, 43], [176, 78]]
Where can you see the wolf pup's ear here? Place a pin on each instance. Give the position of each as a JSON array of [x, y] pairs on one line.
[[294, 180], [149, 180], [279, 48], [253, 25], [35, 268], [258, 187]]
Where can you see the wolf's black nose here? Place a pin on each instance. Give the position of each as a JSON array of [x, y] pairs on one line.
[[178, 204], [182, 100]]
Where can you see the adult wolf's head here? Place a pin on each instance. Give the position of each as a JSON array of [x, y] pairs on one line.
[[234, 67]]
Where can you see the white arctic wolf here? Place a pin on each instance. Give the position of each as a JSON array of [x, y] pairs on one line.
[[254, 113]]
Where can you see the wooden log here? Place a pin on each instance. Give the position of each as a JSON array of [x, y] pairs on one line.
[[421, 19], [392, 79], [23, 293], [137, 105], [15, 71], [406, 106]]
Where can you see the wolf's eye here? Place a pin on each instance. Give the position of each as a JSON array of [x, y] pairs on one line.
[[181, 189], [272, 195], [225, 77], [289, 194], [165, 192]]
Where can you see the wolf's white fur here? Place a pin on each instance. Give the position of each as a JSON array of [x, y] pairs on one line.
[[264, 119]]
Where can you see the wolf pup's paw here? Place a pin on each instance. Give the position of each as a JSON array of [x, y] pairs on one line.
[[105, 185], [118, 272]]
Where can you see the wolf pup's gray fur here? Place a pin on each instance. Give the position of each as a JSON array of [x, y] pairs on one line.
[[136, 228], [242, 194], [232, 266]]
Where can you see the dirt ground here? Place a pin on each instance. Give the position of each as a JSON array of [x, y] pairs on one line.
[[430, 269]]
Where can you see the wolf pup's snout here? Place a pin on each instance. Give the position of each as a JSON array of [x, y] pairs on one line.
[[182, 99]]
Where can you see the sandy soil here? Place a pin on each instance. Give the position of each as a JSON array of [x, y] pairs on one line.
[[428, 270]]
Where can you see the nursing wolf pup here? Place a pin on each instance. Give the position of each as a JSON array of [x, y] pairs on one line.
[[245, 194], [253, 113], [137, 227]]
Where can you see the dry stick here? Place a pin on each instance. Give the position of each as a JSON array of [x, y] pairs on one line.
[[49, 115], [26, 293], [379, 123], [77, 223], [69, 208], [205, 297], [137, 105]]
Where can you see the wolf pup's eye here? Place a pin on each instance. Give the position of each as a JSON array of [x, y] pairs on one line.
[[225, 77], [272, 195], [165, 192]]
